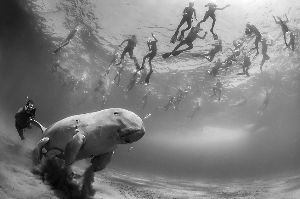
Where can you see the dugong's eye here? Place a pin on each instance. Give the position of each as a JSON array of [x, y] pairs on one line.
[[116, 113]]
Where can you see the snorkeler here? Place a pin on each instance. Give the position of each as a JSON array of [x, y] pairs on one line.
[[217, 89], [264, 50], [67, 40], [187, 17], [251, 29], [174, 101], [196, 108], [215, 69], [246, 64], [153, 50], [291, 44], [24, 117], [284, 28], [145, 99], [131, 43], [265, 103], [190, 38], [212, 53], [211, 13]]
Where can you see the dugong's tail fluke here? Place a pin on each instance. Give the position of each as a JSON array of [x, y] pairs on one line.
[[37, 124]]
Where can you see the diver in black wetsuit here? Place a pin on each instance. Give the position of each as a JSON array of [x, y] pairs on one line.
[[187, 17], [24, 116], [217, 90], [131, 43], [190, 38], [212, 53], [246, 64], [284, 27], [215, 69], [264, 50], [211, 13], [251, 29], [70, 36], [153, 50]]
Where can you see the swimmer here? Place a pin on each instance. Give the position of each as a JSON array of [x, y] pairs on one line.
[[284, 27], [265, 103], [217, 90], [211, 13], [145, 99], [131, 44], [70, 36], [215, 69], [291, 44], [251, 29], [196, 108], [153, 50], [190, 38], [264, 50], [246, 64], [187, 17], [212, 53]]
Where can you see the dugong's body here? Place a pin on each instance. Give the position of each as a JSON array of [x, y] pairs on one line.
[[91, 135]]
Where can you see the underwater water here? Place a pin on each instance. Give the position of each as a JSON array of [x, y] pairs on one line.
[[232, 148]]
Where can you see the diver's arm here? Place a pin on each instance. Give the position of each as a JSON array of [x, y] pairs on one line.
[[154, 37], [223, 7], [275, 20], [124, 42]]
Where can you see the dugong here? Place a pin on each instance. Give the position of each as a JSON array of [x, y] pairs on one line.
[[91, 135]]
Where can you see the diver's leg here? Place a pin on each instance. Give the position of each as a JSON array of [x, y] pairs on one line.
[[189, 23], [122, 56], [179, 45], [213, 24], [183, 20], [144, 59], [284, 37], [205, 17], [147, 79]]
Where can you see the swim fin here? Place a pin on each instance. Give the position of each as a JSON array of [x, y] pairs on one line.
[[166, 55], [177, 52]]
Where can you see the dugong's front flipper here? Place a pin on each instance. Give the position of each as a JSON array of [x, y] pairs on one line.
[[99, 162], [73, 147], [37, 152]]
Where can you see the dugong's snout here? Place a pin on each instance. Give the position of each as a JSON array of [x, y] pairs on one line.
[[128, 136]]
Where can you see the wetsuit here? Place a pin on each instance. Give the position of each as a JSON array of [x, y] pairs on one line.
[[131, 43], [129, 48], [251, 29], [284, 28], [212, 53], [264, 53], [190, 38], [187, 17], [210, 13], [23, 119], [215, 70], [246, 65]]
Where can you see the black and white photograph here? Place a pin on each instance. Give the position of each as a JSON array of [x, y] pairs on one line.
[[149, 99]]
